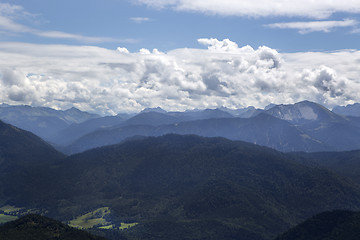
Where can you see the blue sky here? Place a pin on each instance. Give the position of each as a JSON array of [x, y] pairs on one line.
[[167, 28], [315, 43]]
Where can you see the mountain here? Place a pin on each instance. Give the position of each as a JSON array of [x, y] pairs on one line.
[[191, 187], [334, 225], [349, 110], [262, 129], [19, 147], [334, 132], [346, 164], [200, 114], [77, 130], [242, 112], [158, 110], [303, 112], [22, 157], [42, 121], [151, 119], [36, 227]]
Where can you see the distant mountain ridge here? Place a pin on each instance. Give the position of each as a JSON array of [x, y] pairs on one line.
[[349, 110], [302, 111], [304, 126], [42, 121]]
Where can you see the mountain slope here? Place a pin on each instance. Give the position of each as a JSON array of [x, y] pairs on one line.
[[349, 110], [195, 183], [36, 227], [346, 164], [23, 161], [42, 121], [303, 111], [77, 130], [19, 147], [334, 132], [262, 129], [334, 225]]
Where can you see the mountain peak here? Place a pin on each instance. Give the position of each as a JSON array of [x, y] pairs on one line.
[[301, 111], [73, 109], [157, 109]]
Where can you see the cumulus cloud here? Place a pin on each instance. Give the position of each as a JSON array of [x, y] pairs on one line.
[[261, 8], [315, 26], [224, 74]]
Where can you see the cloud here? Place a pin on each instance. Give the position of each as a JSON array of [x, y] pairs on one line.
[[225, 74], [261, 8], [315, 26], [140, 19], [355, 31], [9, 14], [77, 37]]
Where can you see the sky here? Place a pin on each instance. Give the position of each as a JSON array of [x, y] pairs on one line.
[[113, 56]]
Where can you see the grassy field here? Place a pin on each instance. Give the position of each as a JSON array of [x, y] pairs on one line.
[[92, 219], [10, 209], [107, 227], [127, 225], [97, 218], [6, 218]]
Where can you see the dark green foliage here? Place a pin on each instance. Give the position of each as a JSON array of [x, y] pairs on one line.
[[36, 227], [19, 147], [183, 187], [189, 179], [190, 230], [344, 163], [24, 161], [334, 225]]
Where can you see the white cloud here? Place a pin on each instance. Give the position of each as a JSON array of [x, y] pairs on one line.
[[123, 50], [260, 8], [315, 26], [8, 24], [140, 19], [111, 81]]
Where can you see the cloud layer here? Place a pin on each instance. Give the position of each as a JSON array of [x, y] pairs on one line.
[[315, 26], [261, 8], [224, 74]]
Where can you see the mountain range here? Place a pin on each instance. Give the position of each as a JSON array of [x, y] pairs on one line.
[[174, 175], [304, 126], [175, 186], [42, 121]]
